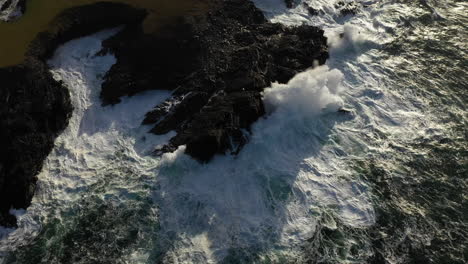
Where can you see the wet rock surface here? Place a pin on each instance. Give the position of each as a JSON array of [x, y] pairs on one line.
[[81, 21], [217, 65], [34, 108]]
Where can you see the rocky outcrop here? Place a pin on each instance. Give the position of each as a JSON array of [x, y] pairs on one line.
[[312, 11], [217, 65], [34, 108]]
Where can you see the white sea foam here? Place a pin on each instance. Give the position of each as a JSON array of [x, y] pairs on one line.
[[308, 93]]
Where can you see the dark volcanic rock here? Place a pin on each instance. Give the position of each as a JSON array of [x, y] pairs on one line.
[[217, 64], [22, 5], [150, 61], [34, 108]]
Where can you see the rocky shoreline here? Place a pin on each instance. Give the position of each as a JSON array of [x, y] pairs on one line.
[[216, 64], [34, 108]]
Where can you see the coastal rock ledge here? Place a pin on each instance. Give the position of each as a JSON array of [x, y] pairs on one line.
[[216, 63]]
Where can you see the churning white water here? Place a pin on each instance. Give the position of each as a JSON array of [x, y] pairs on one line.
[[9, 12], [269, 196], [267, 200]]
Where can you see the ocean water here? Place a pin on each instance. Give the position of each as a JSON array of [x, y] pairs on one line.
[[383, 183]]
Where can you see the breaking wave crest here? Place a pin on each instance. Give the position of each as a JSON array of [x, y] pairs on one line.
[[308, 93]]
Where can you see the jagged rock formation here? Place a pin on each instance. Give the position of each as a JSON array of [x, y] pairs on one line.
[[217, 65], [34, 108]]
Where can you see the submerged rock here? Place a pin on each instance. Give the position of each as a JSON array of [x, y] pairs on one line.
[[217, 64]]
